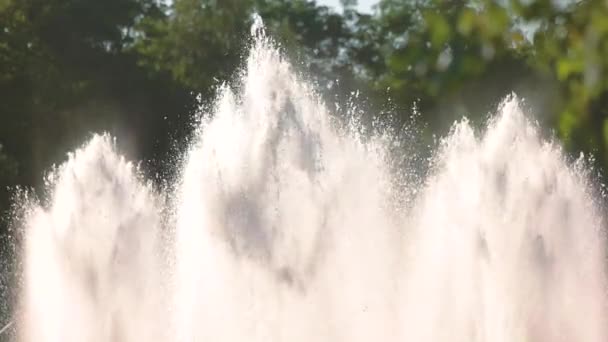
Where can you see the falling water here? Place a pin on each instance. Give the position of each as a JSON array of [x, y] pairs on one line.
[[284, 227]]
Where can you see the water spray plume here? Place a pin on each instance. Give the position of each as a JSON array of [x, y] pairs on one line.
[[283, 227]]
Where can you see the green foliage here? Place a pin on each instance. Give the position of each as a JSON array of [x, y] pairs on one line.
[[572, 42], [455, 57], [199, 42], [461, 57], [202, 42], [68, 69]]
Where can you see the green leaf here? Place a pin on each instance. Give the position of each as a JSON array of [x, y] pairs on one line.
[[439, 28], [466, 21], [605, 132], [566, 67]]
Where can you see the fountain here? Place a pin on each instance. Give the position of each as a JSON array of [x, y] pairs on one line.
[[287, 225]]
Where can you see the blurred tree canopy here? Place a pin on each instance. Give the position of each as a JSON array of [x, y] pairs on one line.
[[133, 67]]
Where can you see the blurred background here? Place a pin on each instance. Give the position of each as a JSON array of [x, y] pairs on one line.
[[134, 67]]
